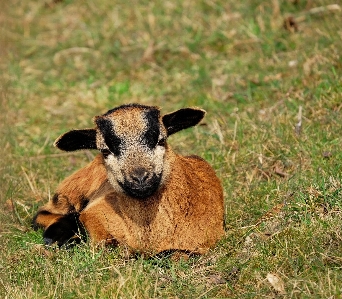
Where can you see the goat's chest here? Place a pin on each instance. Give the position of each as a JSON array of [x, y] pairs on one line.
[[151, 226]]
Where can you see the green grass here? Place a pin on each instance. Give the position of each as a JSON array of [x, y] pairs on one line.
[[63, 63]]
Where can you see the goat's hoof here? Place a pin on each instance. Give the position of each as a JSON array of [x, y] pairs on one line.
[[67, 230]]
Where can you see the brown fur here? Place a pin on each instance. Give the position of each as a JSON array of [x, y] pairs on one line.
[[185, 213], [178, 217], [87, 183]]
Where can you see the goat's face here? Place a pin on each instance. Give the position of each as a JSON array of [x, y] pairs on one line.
[[132, 140]]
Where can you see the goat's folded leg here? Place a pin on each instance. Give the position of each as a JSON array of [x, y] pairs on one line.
[[65, 230], [103, 224], [59, 217]]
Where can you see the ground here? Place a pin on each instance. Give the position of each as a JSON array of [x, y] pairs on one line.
[[268, 73]]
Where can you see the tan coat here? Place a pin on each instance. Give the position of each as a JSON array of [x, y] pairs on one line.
[[137, 192], [185, 214]]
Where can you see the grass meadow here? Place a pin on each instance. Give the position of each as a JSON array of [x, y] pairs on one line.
[[269, 74]]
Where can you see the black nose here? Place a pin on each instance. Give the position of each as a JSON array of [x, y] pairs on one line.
[[139, 175], [141, 183]]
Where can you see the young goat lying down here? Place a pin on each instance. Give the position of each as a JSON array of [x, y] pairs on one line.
[[137, 192]]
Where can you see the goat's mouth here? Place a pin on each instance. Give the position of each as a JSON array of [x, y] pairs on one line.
[[141, 190]]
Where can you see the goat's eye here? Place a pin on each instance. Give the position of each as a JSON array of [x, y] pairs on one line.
[[105, 152], [162, 142]]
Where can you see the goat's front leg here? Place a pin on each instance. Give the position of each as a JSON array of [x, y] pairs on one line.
[[59, 217]]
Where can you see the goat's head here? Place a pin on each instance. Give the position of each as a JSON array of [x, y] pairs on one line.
[[132, 140]]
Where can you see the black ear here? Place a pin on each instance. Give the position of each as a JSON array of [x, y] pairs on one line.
[[77, 140], [182, 119]]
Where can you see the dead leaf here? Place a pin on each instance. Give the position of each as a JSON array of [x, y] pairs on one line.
[[290, 24], [278, 169], [41, 249], [9, 205], [216, 279], [326, 154], [276, 282]]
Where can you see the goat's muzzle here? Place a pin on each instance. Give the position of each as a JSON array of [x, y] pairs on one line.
[[140, 183]]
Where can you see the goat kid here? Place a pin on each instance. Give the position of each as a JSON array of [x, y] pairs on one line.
[[137, 192]]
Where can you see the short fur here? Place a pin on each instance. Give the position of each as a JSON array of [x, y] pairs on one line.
[[144, 195]]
